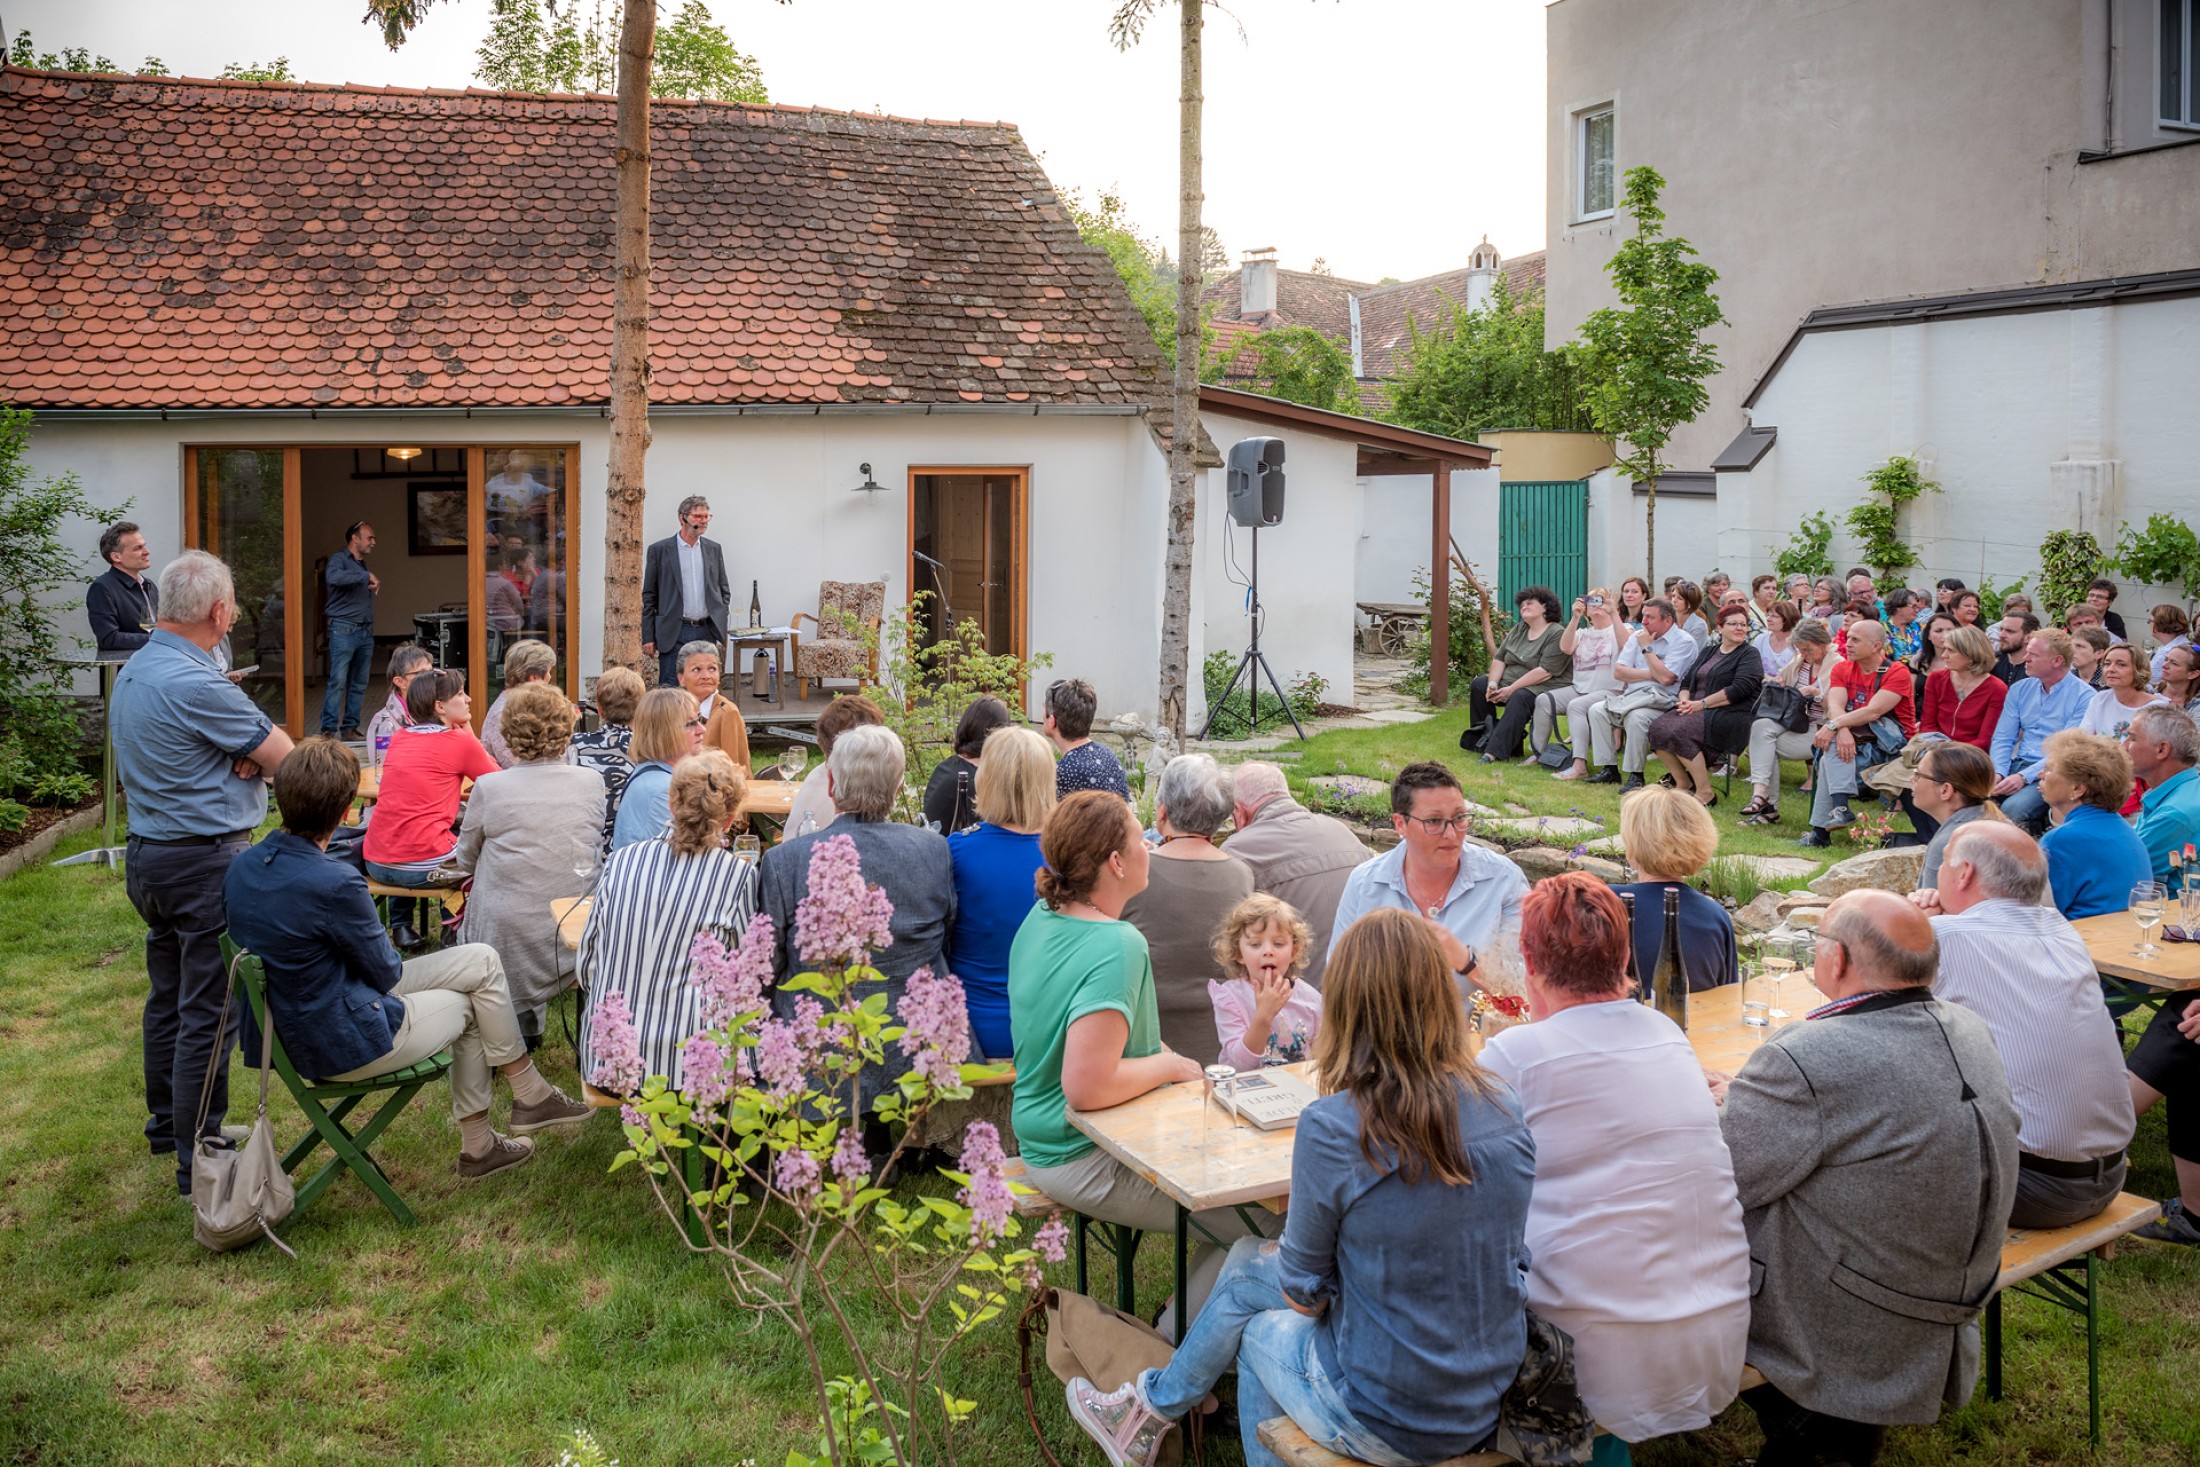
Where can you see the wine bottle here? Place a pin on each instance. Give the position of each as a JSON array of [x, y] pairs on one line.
[[756, 607], [1669, 984], [1642, 994]]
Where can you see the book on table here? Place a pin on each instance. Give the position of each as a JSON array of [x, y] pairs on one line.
[[1268, 1099]]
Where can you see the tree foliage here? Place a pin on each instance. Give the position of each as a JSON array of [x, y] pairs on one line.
[[531, 48], [2165, 553], [2069, 561], [1479, 370], [1143, 265], [1807, 552], [73, 58], [1299, 364], [276, 70], [1645, 360], [1875, 522]]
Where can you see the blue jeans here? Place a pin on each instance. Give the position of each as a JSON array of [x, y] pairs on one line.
[[1248, 1322], [2027, 809], [350, 665]]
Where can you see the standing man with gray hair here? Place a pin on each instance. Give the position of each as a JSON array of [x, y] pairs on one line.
[[2023, 968], [685, 594], [1875, 1150], [1295, 855], [193, 754]]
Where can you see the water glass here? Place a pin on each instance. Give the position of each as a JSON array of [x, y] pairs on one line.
[[2147, 901], [1222, 1080], [2188, 910], [1755, 1010], [748, 849]]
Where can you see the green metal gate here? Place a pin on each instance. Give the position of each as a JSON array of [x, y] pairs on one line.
[[1543, 539]]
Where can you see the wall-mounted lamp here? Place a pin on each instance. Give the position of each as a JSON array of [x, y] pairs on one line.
[[402, 455], [869, 484]]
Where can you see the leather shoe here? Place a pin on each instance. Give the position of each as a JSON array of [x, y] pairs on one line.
[[406, 937], [1632, 783], [1602, 776], [1816, 839]]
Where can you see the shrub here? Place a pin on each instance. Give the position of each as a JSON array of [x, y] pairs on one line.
[[1240, 710], [2069, 560], [1895, 483], [1470, 655], [1808, 552], [2165, 553], [923, 690]]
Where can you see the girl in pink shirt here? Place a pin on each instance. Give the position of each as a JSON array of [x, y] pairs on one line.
[[1265, 1014]]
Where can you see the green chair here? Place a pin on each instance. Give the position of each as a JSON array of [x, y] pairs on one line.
[[314, 1097]]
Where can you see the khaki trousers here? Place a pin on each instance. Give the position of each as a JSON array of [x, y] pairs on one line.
[[1099, 1186], [454, 999]]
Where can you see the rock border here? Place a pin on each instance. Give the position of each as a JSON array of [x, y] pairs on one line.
[[34, 851]]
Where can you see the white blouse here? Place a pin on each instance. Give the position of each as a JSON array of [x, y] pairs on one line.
[[2109, 718], [1635, 1227], [1595, 650]]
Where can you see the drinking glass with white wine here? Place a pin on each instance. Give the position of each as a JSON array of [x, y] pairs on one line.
[[2147, 901]]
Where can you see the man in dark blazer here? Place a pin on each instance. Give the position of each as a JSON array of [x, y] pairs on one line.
[[1875, 1149], [685, 594], [124, 603]]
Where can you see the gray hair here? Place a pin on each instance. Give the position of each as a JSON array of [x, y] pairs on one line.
[[192, 585], [866, 764], [2008, 863], [699, 648], [1254, 783], [1812, 629], [408, 658], [691, 503], [1195, 790], [2163, 723], [1880, 956], [526, 660]]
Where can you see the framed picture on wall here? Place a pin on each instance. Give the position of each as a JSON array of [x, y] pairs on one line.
[[435, 518]]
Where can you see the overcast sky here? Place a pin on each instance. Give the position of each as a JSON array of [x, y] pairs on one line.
[[1386, 136]]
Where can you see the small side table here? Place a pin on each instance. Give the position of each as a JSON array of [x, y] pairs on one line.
[[775, 638], [107, 852]]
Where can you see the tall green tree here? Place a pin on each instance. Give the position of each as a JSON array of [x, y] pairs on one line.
[[21, 52], [1141, 263], [529, 49], [1299, 364], [1479, 370], [1645, 360]]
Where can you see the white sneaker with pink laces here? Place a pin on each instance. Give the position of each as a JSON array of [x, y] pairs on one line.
[[1127, 1429]]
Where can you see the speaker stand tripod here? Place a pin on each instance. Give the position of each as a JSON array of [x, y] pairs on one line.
[[1253, 659]]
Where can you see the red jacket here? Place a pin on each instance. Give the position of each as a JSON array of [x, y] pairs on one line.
[[1970, 722]]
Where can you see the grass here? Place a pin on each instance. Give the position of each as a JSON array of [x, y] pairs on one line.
[[555, 1297]]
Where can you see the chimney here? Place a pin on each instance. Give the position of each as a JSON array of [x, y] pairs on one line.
[[1482, 268], [1257, 283]]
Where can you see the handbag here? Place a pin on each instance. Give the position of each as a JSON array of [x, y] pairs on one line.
[[1542, 1420], [238, 1193], [1784, 706], [1104, 1345]]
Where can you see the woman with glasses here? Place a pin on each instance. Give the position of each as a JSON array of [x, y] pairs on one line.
[[723, 726], [667, 728]]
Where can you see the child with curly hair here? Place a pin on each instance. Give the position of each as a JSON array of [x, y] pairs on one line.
[[1265, 1013]]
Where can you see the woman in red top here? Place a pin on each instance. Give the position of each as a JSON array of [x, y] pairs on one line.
[[423, 778], [1963, 698]]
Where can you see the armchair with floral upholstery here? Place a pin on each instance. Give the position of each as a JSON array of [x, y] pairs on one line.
[[846, 611]]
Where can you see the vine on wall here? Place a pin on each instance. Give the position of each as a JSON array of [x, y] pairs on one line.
[[1874, 522]]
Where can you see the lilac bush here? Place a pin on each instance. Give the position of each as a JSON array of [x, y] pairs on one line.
[[769, 1116]]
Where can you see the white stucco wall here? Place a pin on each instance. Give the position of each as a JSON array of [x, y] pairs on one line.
[[2035, 422], [1394, 530], [1619, 523], [782, 489]]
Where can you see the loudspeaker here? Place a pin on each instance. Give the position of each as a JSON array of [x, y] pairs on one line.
[[1256, 481]]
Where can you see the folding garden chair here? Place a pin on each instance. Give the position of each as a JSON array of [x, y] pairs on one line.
[[326, 1119]]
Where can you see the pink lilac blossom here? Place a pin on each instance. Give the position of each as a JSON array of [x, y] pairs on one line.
[[703, 1065], [779, 1062], [936, 1027], [795, 1174], [809, 1027], [1052, 1240], [733, 981], [841, 921], [632, 1117], [851, 1163], [618, 1048], [988, 1196]]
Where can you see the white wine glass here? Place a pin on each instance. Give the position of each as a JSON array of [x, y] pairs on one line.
[[1779, 962], [792, 760], [2147, 900], [1756, 1012]]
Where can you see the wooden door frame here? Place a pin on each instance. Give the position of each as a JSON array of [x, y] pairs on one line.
[[1019, 539]]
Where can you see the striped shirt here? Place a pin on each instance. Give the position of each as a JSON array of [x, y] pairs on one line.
[[2025, 971], [648, 908]]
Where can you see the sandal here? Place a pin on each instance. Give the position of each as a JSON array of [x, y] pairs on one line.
[[1756, 806], [1769, 815]]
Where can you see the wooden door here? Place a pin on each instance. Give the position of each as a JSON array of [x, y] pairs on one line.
[[971, 522]]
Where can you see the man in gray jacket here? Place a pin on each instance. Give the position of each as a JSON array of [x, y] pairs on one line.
[[1297, 856], [1875, 1149]]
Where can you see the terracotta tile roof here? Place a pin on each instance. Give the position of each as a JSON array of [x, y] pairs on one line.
[[173, 243], [1427, 302], [1302, 299]]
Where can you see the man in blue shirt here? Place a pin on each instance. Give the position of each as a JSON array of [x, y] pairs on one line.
[[351, 589], [1650, 668], [2164, 745], [1470, 896], [2045, 701], [192, 753]]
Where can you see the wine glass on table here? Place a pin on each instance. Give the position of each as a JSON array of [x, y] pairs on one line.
[[1780, 960], [1755, 1010], [2147, 901], [792, 759]]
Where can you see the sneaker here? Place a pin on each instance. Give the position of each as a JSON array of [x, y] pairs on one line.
[[2175, 1225], [1128, 1430], [1839, 816], [559, 1110], [1815, 839], [1632, 783], [506, 1153]]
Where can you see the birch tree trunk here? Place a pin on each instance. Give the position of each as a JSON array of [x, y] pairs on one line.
[[1176, 590], [623, 500]]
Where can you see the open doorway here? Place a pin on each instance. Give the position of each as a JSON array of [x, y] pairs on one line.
[[967, 538]]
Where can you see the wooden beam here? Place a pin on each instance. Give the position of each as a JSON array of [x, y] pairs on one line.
[[1381, 461], [1439, 604], [297, 646]]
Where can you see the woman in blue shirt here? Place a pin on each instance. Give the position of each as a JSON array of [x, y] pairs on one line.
[[668, 726], [995, 862], [1669, 837], [1391, 1317], [2093, 858]]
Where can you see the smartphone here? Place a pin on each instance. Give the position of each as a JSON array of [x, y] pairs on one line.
[[244, 671]]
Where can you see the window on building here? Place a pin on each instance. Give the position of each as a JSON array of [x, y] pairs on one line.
[[1593, 162], [2180, 59]]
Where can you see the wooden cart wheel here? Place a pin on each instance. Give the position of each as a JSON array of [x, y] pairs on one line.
[[1390, 636]]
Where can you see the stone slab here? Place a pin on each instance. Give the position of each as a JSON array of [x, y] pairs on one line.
[[1894, 870], [1553, 828]]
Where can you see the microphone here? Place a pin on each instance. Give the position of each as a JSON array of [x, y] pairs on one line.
[[928, 560]]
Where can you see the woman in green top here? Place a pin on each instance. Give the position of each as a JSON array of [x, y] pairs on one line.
[[1528, 664], [1086, 1028]]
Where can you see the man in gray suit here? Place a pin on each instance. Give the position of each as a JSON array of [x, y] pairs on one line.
[[1875, 1149], [685, 594]]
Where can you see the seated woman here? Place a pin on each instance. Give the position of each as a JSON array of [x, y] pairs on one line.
[[1774, 644], [1528, 663], [1265, 1012], [667, 729], [603, 749], [2180, 679], [1635, 1228], [1962, 699], [2170, 629], [527, 661], [410, 833], [1086, 1029], [655, 896], [532, 835], [1668, 838], [995, 863], [1593, 648], [1687, 599], [2093, 858], [813, 805], [346, 1008], [1391, 1317], [1770, 741], [1717, 704], [950, 795], [1193, 885], [723, 726], [2123, 693], [1951, 787]]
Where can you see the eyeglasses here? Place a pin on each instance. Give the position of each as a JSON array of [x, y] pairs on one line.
[[1439, 825], [697, 723], [2180, 934]]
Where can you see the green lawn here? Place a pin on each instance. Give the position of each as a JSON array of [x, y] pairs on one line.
[[555, 1297]]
